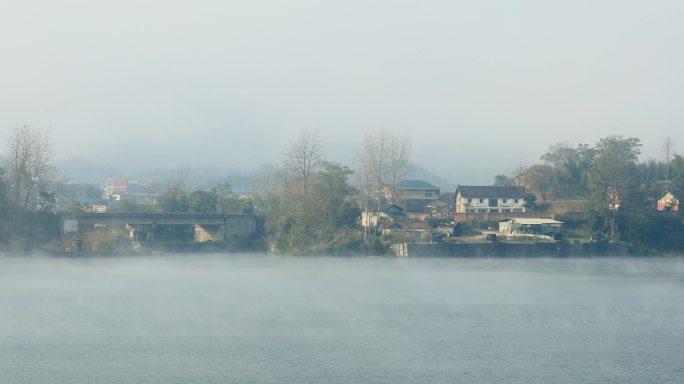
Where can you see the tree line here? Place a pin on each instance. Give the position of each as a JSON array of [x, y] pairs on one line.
[[618, 190], [307, 203]]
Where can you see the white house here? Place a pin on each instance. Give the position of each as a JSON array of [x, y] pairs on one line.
[[489, 199]]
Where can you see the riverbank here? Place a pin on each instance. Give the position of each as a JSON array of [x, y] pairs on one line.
[[398, 249], [501, 249]]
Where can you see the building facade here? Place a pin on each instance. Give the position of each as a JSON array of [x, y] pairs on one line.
[[489, 199], [667, 202], [412, 189]]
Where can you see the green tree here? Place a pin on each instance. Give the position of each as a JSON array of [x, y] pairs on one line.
[[613, 174], [321, 219], [203, 201], [174, 200], [677, 176], [570, 166], [503, 180], [530, 200], [228, 202], [129, 205]]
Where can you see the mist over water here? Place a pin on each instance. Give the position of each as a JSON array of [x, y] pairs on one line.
[[276, 319]]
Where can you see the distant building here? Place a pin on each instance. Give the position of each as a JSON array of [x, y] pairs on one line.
[[117, 188], [418, 198], [489, 199], [545, 227], [406, 226], [667, 202], [94, 208], [412, 189], [422, 209], [387, 213]]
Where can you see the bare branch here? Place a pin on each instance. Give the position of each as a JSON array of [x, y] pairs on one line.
[[29, 163], [304, 157]]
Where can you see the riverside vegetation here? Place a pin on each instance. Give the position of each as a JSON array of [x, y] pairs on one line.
[[307, 204]]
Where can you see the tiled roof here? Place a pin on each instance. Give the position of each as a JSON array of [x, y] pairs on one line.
[[415, 184], [392, 209], [490, 191], [665, 194], [528, 221], [423, 205], [448, 198], [415, 225]]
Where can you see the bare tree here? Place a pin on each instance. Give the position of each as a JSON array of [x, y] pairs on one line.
[[304, 157], [667, 152], [398, 151], [373, 160], [371, 157], [30, 164], [384, 161]]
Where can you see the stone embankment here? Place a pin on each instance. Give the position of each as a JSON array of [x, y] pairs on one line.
[[501, 249]]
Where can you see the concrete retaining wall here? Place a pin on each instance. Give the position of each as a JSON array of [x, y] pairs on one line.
[[499, 249]]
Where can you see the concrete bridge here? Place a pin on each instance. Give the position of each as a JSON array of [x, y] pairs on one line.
[[141, 226]]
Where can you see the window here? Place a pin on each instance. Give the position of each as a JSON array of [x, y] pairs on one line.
[[470, 201], [515, 201], [481, 201], [428, 193], [505, 201]]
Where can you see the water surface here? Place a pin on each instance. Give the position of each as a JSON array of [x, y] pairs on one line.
[[277, 319]]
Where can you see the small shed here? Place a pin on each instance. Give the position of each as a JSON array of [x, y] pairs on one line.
[[546, 227], [667, 202], [406, 226]]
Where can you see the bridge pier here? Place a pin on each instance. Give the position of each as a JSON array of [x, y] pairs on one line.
[[204, 233], [140, 232]]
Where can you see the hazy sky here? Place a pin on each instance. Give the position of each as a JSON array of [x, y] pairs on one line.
[[478, 86]]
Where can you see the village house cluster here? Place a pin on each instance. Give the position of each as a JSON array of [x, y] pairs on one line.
[[411, 203]]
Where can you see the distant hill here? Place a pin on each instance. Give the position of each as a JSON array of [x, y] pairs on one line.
[[417, 172], [202, 177], [79, 170]]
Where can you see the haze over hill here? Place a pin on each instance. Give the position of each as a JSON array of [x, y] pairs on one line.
[[241, 181], [479, 87]]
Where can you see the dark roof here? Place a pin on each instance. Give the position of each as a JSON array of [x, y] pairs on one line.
[[490, 191], [415, 225], [665, 193], [448, 198], [417, 205], [415, 184], [392, 210], [392, 226]]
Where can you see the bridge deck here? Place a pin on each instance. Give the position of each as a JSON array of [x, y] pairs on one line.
[[237, 224]]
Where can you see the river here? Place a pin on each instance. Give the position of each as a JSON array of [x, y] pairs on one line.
[[280, 319]]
